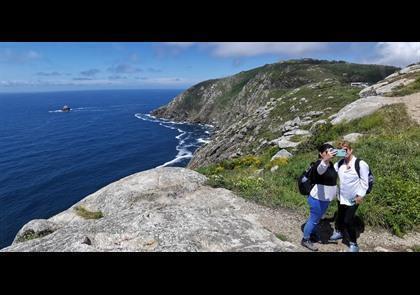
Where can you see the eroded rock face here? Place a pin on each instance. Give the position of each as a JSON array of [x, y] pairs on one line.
[[163, 209]]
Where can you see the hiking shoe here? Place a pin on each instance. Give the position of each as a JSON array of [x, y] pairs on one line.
[[336, 236], [315, 238], [353, 247], [308, 244]]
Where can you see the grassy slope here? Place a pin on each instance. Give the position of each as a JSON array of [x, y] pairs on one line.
[[333, 95], [391, 148]]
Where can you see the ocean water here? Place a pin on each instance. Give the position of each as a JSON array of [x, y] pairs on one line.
[[50, 159]]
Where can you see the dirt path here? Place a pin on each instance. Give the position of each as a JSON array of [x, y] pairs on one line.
[[288, 222], [413, 105]]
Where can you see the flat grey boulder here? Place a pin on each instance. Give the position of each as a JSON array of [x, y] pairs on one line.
[[284, 142], [162, 209], [362, 107], [297, 132], [282, 154], [352, 137]]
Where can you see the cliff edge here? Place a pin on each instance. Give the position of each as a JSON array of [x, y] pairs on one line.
[[162, 209]]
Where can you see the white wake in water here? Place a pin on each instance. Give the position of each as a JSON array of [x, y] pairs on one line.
[[81, 109], [202, 140], [182, 137]]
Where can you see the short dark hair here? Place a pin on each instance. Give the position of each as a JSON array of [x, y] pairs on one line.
[[325, 147]]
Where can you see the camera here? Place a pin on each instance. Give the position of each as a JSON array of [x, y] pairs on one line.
[[340, 153]]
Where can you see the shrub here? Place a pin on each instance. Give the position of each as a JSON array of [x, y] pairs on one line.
[[248, 161]]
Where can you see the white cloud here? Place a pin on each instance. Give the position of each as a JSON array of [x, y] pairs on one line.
[[124, 69], [243, 49], [9, 55], [397, 53], [246, 49], [90, 73], [171, 49]]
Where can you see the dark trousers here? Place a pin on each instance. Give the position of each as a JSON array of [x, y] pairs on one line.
[[345, 222]]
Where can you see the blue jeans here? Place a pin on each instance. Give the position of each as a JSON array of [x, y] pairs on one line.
[[317, 210]]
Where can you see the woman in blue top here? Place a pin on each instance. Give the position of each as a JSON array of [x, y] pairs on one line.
[[321, 195]]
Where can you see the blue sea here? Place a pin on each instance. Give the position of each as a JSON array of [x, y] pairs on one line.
[[51, 159]]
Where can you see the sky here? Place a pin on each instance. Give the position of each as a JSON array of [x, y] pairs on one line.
[[56, 66]]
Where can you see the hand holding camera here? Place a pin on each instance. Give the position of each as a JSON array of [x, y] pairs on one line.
[[329, 154]]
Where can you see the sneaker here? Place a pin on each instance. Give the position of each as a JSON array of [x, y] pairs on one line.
[[336, 236], [353, 247], [308, 244]]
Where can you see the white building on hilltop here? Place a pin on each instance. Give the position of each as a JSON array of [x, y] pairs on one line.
[[359, 84]]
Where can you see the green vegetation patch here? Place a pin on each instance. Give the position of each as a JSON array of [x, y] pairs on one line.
[[86, 214], [31, 235]]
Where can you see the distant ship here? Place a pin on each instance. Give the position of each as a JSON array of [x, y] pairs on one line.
[[66, 108]]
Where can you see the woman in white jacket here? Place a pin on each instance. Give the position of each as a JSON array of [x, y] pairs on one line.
[[351, 193]]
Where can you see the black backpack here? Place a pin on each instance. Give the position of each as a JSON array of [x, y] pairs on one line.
[[306, 180], [371, 178]]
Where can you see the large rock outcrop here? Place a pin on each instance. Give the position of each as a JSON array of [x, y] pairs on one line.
[[362, 107], [163, 209]]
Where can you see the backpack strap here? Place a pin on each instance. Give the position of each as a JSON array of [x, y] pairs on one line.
[[357, 166], [341, 162], [311, 170]]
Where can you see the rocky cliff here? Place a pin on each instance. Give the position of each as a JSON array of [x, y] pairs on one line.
[[163, 209], [276, 104]]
